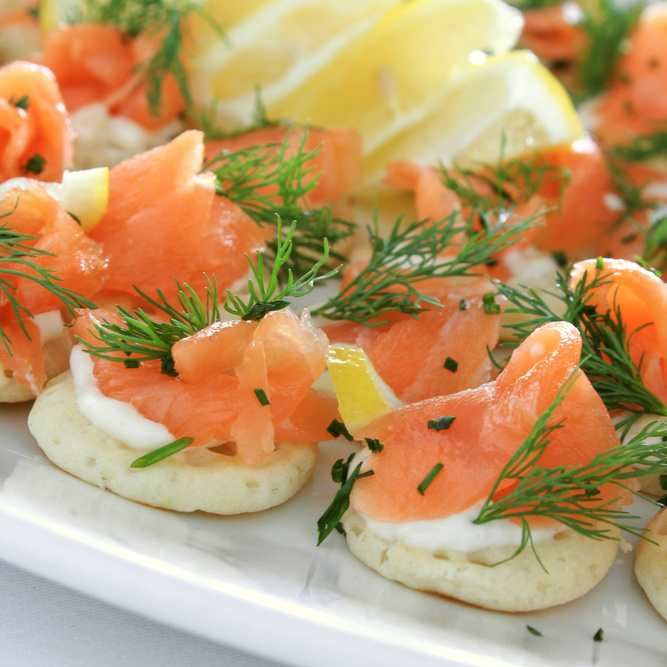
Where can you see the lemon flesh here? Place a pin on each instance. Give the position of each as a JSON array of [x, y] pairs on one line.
[[362, 394], [85, 194], [349, 63], [277, 48], [509, 104]]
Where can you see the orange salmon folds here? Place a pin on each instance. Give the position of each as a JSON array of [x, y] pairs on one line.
[[36, 136], [75, 261], [469, 437], [641, 298], [161, 207], [277, 359], [96, 63]]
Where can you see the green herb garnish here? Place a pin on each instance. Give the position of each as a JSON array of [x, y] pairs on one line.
[[268, 182], [19, 259], [266, 295], [161, 453], [607, 27], [533, 631], [261, 396], [426, 482], [34, 165], [340, 504], [451, 365], [606, 341], [164, 18], [411, 254], [336, 429], [441, 423], [571, 495]]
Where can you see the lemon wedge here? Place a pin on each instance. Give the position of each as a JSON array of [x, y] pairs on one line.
[[347, 63], [85, 194], [278, 48], [362, 394], [508, 102]]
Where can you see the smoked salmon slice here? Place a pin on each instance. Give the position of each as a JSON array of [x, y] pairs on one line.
[[36, 136], [447, 347], [95, 62], [641, 298], [75, 262], [489, 423], [266, 394], [165, 222]]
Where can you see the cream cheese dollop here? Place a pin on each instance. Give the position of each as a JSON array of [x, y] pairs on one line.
[[118, 419], [453, 533]]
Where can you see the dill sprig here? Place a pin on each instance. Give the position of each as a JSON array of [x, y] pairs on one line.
[[163, 18], [513, 180], [411, 254], [523, 5], [18, 258], [265, 294], [607, 25], [269, 182], [606, 340], [141, 338], [654, 253], [643, 148], [571, 494]]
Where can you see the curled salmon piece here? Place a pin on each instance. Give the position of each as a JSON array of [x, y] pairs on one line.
[[36, 136], [570, 200], [635, 103], [262, 396], [462, 331], [164, 222], [95, 62], [489, 424], [336, 168], [554, 33], [641, 298], [74, 261]]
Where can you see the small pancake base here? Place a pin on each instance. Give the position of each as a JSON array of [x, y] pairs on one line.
[[651, 562], [194, 479], [56, 361], [574, 564]]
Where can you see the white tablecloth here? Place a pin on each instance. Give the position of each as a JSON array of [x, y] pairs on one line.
[[45, 624]]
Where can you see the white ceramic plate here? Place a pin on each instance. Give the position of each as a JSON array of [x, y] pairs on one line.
[[259, 583]]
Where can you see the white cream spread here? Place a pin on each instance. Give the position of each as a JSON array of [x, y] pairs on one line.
[[453, 533], [50, 325], [116, 418]]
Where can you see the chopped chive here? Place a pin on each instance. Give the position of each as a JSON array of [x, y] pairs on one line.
[[441, 423], [463, 304], [599, 635], [599, 263], [560, 258], [161, 453], [340, 468], [490, 305], [451, 365], [533, 631], [662, 479], [131, 363], [34, 165], [336, 429], [261, 396], [426, 482], [374, 445], [334, 513], [21, 103]]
